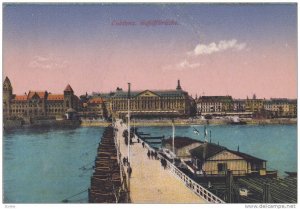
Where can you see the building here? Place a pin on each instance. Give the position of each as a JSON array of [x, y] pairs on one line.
[[281, 107], [37, 103], [292, 108], [254, 104], [214, 104], [213, 160], [93, 108], [239, 105], [152, 103], [182, 146]]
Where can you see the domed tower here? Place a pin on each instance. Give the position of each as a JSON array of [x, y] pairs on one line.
[[68, 97], [7, 95]]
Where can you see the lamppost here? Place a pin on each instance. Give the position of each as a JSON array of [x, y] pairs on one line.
[[173, 139], [128, 122], [128, 144]]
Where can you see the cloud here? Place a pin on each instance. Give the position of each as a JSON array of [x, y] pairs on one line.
[[187, 64], [48, 63], [202, 49], [183, 65]]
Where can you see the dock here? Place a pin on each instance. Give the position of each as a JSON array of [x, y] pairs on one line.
[[149, 181]]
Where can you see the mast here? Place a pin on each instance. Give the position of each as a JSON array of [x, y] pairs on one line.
[[205, 134]]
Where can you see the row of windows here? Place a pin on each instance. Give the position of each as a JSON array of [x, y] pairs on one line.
[[149, 98], [148, 105]]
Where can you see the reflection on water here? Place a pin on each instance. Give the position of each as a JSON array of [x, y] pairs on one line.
[[43, 165]]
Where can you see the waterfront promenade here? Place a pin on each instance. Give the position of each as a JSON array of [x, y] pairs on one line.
[[149, 182], [189, 122]]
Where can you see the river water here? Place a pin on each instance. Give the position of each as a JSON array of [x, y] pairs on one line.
[[45, 166], [275, 143]]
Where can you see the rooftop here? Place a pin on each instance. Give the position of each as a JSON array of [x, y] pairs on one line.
[[40, 94], [161, 93], [207, 150], [53, 97], [181, 141], [69, 88]]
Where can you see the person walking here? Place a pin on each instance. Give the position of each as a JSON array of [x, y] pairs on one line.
[[148, 154], [155, 155], [129, 170]]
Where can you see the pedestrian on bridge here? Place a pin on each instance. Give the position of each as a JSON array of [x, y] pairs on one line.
[[129, 170], [155, 155], [124, 161], [143, 144], [152, 154], [148, 154]]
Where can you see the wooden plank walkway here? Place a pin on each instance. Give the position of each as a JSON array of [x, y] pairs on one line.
[[149, 182]]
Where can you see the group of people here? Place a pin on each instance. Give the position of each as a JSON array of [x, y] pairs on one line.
[[152, 154]]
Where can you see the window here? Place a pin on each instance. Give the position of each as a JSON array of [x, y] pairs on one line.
[[222, 167]]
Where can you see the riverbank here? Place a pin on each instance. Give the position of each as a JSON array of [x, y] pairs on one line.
[[94, 123], [20, 123], [177, 122], [190, 122]]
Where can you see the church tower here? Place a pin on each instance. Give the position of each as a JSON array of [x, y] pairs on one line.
[[68, 97], [7, 96]]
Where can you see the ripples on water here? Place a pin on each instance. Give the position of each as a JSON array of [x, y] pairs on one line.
[[42, 166]]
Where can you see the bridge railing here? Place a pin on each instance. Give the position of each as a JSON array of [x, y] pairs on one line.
[[194, 186], [190, 183]]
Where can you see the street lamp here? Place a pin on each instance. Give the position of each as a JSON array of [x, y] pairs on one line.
[[173, 140], [128, 121], [128, 144]]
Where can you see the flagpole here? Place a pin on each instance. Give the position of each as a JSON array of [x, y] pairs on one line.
[[205, 134]]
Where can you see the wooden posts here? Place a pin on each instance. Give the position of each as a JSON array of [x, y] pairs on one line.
[[229, 185], [266, 193]]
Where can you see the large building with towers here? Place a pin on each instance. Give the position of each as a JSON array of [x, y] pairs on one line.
[[38, 103]]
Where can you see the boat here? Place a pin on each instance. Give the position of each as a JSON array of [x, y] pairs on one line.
[[236, 121], [291, 174]]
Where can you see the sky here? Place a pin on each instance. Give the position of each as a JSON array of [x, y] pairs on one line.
[[214, 49]]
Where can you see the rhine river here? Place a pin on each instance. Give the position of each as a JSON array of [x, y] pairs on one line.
[[46, 166]]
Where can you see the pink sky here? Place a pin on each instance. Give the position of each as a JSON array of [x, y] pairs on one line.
[[243, 55], [269, 73]]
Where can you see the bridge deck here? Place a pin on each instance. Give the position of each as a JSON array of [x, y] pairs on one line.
[[149, 182]]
